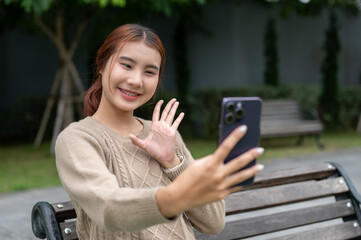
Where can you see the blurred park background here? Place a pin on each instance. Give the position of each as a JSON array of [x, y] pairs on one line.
[[306, 50]]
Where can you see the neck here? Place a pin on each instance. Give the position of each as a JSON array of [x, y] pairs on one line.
[[123, 122]]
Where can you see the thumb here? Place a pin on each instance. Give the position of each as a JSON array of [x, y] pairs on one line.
[[136, 141]]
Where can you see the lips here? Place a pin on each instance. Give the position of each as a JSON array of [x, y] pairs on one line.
[[129, 94]]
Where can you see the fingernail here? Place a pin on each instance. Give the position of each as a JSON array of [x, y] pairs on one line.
[[260, 150], [243, 128], [260, 167]]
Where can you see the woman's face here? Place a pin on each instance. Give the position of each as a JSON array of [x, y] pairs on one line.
[[130, 77]]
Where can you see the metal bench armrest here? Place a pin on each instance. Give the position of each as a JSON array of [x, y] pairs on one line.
[[355, 195], [44, 223]]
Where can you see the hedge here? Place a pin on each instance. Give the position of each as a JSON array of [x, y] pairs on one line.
[[20, 122]]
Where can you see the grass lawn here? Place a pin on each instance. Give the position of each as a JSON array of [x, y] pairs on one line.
[[25, 167]]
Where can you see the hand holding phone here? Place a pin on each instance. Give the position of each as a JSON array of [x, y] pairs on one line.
[[236, 111]]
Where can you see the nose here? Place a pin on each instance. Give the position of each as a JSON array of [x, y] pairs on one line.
[[135, 79]]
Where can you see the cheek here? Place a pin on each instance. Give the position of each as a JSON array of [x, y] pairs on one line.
[[154, 84]]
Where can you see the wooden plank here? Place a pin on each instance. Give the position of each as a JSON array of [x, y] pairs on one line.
[[287, 126], [278, 102], [347, 230], [292, 175], [71, 227], [279, 221], [278, 195], [64, 210]]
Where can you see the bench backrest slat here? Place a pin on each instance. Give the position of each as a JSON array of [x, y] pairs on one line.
[[278, 195], [280, 109], [278, 177], [253, 226], [346, 230]]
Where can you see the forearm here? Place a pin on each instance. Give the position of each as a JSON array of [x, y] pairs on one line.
[[208, 218]]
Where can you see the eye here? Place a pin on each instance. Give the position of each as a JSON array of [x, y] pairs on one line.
[[151, 73], [127, 66]]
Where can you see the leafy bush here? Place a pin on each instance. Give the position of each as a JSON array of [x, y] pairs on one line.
[[21, 121], [206, 103]]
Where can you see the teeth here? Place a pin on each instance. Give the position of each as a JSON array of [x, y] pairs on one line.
[[129, 93]]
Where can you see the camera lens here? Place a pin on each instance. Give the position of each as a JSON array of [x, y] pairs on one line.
[[230, 106], [239, 113], [229, 118]]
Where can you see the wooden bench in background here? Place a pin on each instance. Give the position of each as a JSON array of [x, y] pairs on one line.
[[283, 118], [312, 202]]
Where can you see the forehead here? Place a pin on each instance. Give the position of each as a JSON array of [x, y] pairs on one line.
[[140, 52]]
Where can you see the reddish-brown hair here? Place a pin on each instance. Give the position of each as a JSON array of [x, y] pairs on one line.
[[114, 42]]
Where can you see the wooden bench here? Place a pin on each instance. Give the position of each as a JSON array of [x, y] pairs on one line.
[[312, 202], [283, 117]]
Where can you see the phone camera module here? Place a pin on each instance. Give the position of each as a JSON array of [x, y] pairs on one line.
[[230, 118], [230, 106], [239, 113]]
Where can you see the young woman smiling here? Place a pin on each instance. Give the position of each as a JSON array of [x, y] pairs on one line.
[[130, 178]]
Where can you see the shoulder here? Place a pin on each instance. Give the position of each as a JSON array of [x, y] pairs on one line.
[[82, 137], [86, 129], [75, 128]]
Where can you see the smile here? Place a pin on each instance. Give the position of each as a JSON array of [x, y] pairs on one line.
[[131, 94]]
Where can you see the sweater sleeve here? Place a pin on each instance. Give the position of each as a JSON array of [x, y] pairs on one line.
[[208, 218], [84, 175]]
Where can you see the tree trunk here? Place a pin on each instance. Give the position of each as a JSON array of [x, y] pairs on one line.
[[71, 86]]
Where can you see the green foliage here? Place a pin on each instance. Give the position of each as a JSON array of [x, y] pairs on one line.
[[350, 106], [313, 8], [329, 99], [204, 113], [38, 7], [271, 75], [20, 122], [33, 6]]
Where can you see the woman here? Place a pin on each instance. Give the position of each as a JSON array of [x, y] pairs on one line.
[[129, 178]]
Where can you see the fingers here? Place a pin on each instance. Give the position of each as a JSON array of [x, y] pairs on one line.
[[167, 109], [178, 121], [242, 160], [228, 144], [172, 113], [156, 112], [168, 113], [242, 176]]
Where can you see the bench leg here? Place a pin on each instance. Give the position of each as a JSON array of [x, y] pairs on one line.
[[318, 141]]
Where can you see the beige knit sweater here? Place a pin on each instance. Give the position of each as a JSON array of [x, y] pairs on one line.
[[112, 184]]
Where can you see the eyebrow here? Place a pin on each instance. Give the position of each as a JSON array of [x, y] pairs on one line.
[[133, 61]]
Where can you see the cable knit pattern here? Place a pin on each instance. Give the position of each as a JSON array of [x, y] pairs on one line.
[[112, 184]]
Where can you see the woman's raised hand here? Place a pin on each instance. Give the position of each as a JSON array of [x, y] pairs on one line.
[[160, 143], [208, 179]]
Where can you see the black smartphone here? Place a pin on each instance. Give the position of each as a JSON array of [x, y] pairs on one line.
[[237, 111]]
